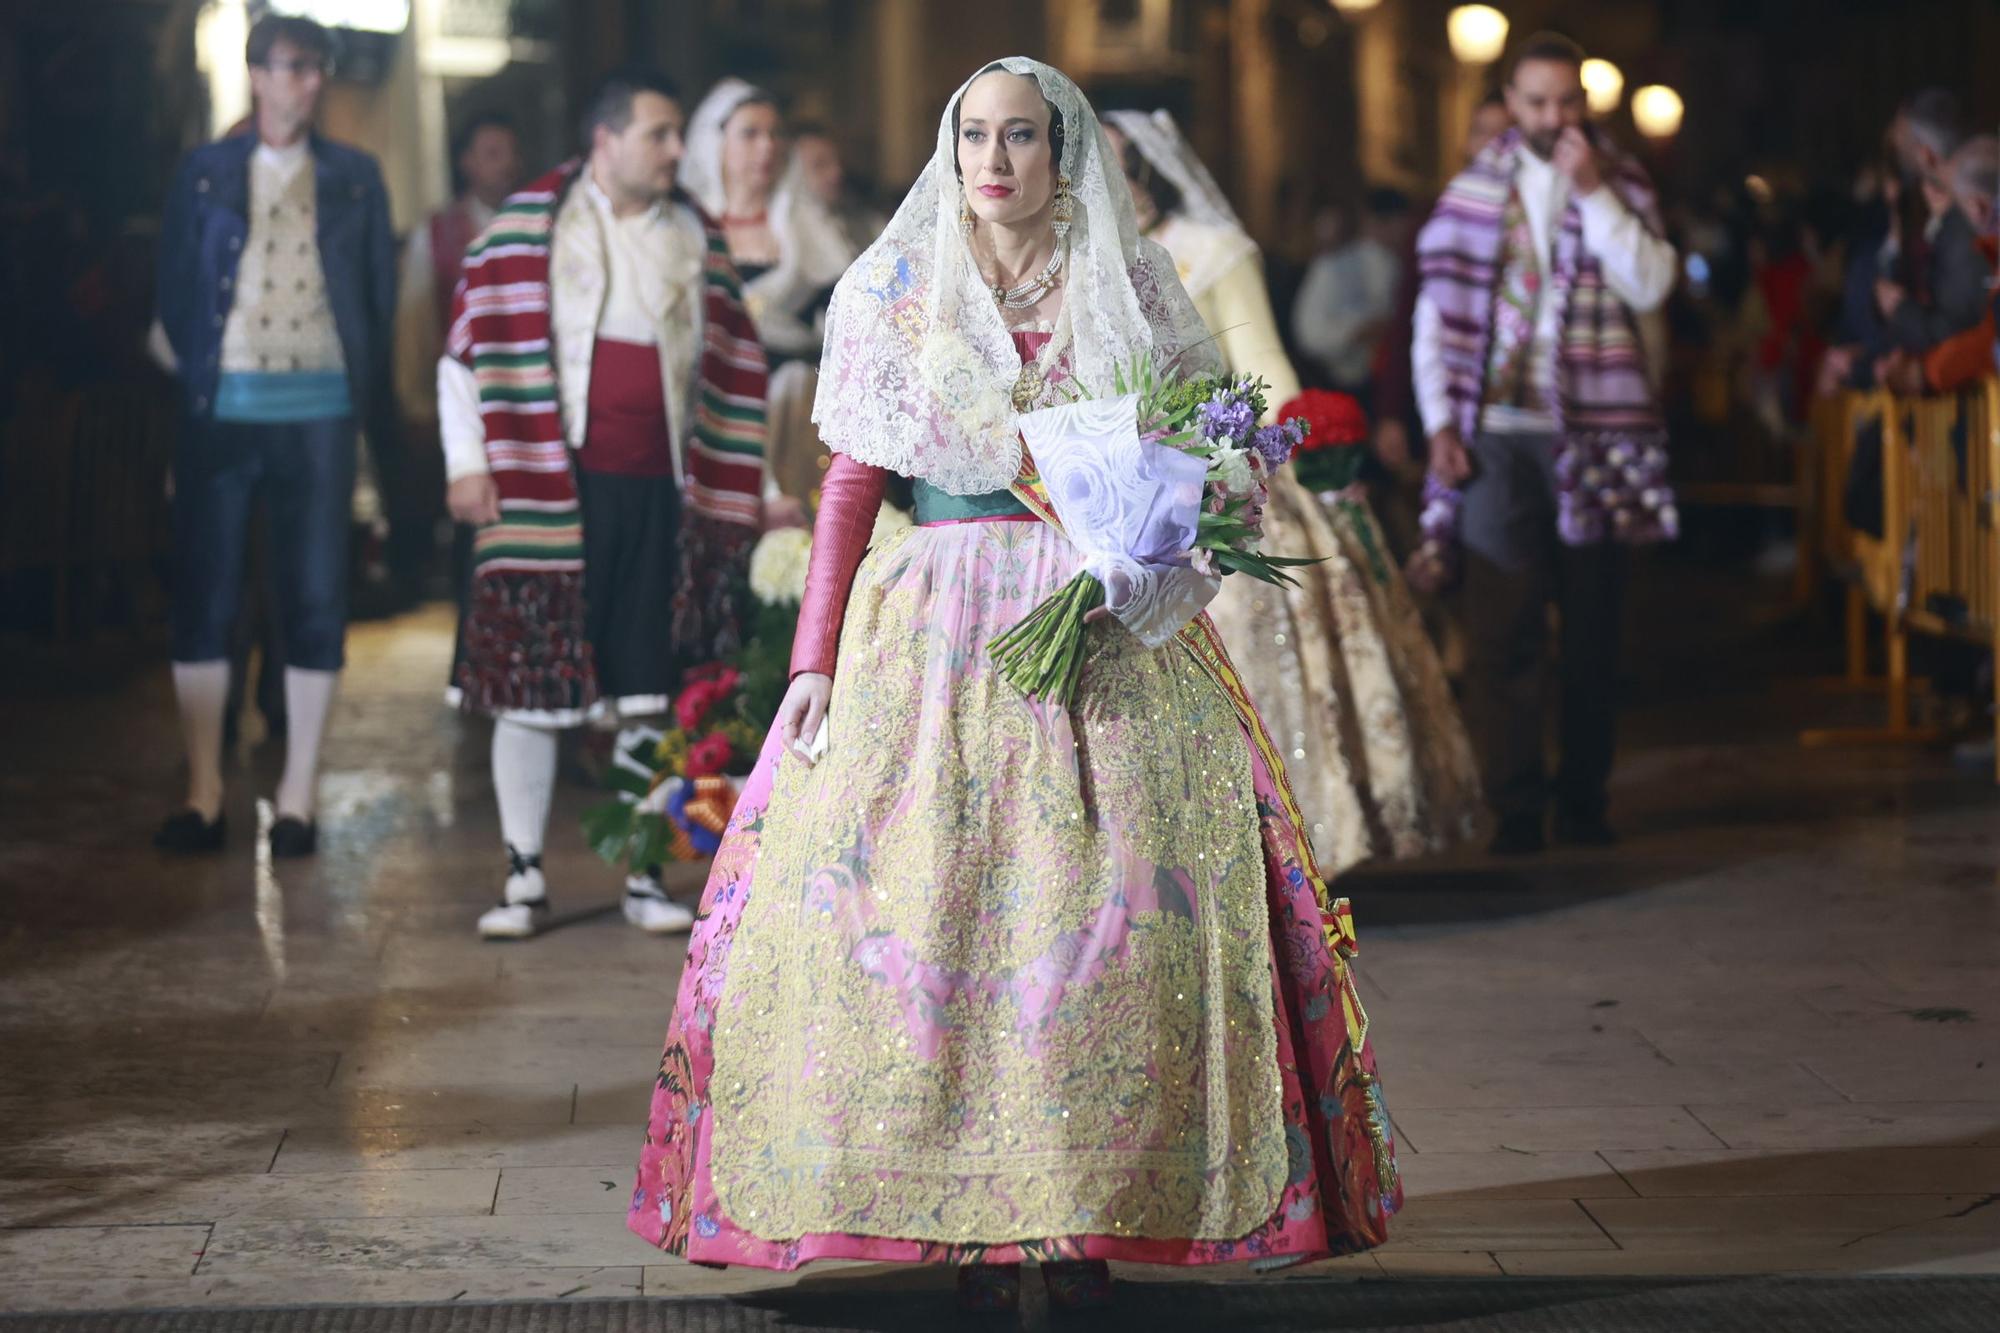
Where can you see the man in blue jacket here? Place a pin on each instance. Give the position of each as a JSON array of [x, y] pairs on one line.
[[277, 291]]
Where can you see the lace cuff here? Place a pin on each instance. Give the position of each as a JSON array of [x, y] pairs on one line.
[[850, 497]]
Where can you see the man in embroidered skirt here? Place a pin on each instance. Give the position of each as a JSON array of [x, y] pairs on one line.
[[1531, 379], [601, 406], [277, 281]]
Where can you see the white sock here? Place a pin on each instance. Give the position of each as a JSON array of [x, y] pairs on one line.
[[308, 700], [203, 691], [524, 783]]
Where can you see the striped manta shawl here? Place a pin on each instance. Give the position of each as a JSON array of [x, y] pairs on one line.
[[1601, 365], [524, 641]]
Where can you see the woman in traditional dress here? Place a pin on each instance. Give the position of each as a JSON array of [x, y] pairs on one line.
[[1340, 665], [789, 250], [981, 979]]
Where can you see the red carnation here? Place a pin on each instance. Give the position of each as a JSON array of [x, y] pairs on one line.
[[700, 698], [710, 671], [709, 756], [1333, 420]]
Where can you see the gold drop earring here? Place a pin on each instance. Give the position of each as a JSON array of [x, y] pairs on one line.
[[1063, 212]]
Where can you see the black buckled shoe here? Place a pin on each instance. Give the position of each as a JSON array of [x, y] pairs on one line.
[[186, 833], [292, 836]]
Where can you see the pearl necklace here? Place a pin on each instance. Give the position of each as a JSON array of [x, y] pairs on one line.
[[1031, 292]]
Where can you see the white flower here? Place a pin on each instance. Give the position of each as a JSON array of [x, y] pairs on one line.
[[1230, 469], [778, 566], [888, 522]]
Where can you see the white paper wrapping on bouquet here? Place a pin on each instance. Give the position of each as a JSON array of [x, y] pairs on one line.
[[1133, 507]]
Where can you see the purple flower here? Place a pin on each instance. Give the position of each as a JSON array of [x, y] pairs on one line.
[[1227, 417], [1276, 443]]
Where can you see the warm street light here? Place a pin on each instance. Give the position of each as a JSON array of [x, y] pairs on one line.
[[1656, 110], [1478, 34], [1355, 6], [1603, 84]]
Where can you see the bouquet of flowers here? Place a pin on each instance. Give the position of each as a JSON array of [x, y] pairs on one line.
[[1163, 488], [1433, 566], [676, 787], [1328, 459]]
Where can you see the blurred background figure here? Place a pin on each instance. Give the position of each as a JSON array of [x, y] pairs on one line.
[[486, 167], [1490, 120], [823, 174], [1917, 276], [1348, 299], [1945, 345], [789, 248], [276, 294]]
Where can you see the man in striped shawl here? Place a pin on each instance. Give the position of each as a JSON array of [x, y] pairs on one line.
[[1533, 386], [601, 404]]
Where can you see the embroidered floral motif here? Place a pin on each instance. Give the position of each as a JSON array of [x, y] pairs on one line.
[[1060, 910], [1321, 1093]]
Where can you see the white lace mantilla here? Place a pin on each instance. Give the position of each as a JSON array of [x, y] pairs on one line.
[[918, 370], [1204, 234]]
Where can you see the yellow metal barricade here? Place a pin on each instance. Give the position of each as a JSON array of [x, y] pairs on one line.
[[1936, 568]]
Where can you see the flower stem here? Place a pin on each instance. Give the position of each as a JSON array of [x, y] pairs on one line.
[[1042, 656]]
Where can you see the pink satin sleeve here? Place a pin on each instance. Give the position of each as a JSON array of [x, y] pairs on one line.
[[850, 497]]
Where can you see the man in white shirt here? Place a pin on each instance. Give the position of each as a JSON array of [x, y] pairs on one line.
[[1508, 373], [596, 328]]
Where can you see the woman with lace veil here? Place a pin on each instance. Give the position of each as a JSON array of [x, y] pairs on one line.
[[976, 979], [1339, 665], [788, 249]]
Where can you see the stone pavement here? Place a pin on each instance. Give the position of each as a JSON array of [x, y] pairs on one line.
[[1759, 1036]]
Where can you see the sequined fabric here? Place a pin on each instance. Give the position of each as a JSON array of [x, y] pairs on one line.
[[989, 983], [1350, 688], [914, 1040]]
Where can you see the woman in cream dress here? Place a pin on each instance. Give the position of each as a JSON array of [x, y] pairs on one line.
[[1339, 666]]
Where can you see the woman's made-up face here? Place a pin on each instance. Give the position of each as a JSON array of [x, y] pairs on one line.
[[1004, 154], [753, 148]]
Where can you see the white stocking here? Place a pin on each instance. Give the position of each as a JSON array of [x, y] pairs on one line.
[[524, 782], [308, 700], [203, 691]]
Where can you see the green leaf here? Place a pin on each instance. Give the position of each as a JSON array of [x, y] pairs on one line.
[[607, 827], [625, 780], [650, 841]]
